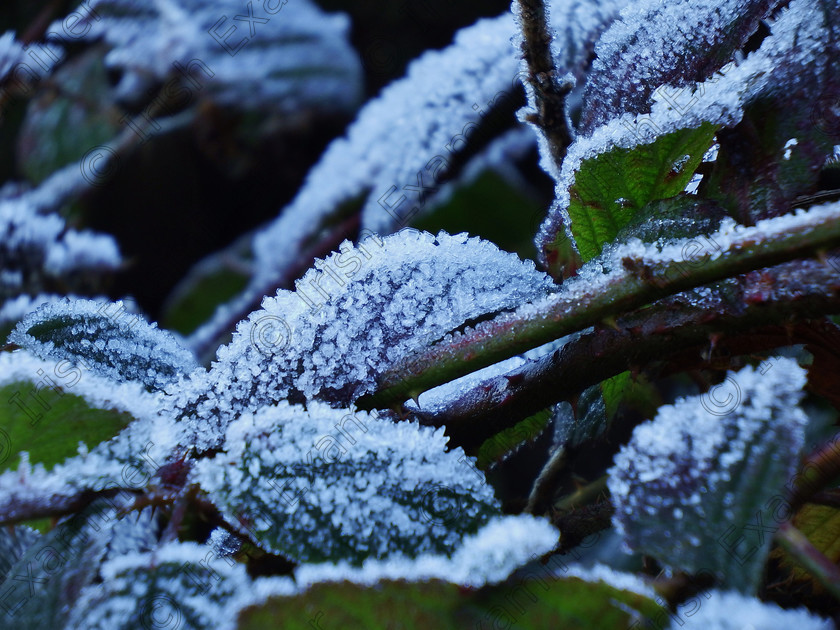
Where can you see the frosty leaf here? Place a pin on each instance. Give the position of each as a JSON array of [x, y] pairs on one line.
[[46, 482], [288, 56], [60, 128], [327, 485], [540, 596], [350, 318], [37, 250], [688, 486], [654, 44], [178, 585], [611, 188], [49, 423], [48, 578], [16, 68], [409, 141], [105, 338], [788, 54]]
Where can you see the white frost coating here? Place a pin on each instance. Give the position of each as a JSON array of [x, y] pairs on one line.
[[108, 338], [438, 397], [145, 443], [723, 610], [15, 308], [487, 557], [621, 580], [21, 64], [395, 154], [331, 484], [655, 42], [33, 242], [291, 55], [796, 46], [351, 317], [181, 584], [677, 477]]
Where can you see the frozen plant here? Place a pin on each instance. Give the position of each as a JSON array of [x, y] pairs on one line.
[[402, 423]]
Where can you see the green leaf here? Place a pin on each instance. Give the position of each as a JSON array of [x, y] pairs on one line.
[[699, 487], [105, 338], [48, 423], [370, 488], [210, 284], [506, 215], [177, 585], [494, 449], [48, 577], [821, 525], [63, 125], [611, 188], [537, 600]]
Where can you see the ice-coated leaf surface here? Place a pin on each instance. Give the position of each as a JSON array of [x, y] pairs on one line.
[[352, 316], [789, 58], [406, 143], [688, 485], [177, 585], [326, 484], [279, 55], [106, 338], [48, 579], [729, 610], [611, 188], [653, 43]]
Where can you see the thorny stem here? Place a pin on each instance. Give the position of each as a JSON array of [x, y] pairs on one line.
[[577, 306], [548, 91], [670, 333]]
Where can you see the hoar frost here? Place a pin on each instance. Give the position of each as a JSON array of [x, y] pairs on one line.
[[708, 463], [326, 484], [352, 316]]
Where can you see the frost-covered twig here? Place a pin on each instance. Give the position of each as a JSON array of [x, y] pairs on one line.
[[672, 331], [624, 278], [547, 91]]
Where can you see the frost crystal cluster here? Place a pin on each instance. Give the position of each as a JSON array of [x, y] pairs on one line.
[[708, 463], [326, 484], [353, 315]]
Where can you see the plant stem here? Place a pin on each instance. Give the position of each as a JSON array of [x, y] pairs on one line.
[[548, 93], [584, 301], [798, 546]]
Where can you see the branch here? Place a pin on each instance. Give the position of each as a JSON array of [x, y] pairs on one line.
[[548, 93], [637, 279], [675, 332]]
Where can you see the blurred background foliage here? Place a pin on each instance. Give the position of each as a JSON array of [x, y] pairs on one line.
[[196, 189]]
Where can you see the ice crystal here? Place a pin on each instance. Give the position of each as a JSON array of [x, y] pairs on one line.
[[105, 338], [352, 316], [725, 610], [326, 484], [708, 463], [177, 584]]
